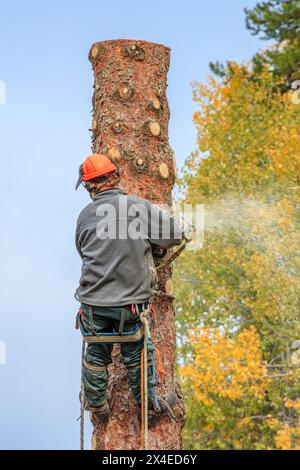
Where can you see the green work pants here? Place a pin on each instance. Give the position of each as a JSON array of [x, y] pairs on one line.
[[98, 355]]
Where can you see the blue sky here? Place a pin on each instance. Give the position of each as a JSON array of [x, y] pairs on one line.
[[43, 138]]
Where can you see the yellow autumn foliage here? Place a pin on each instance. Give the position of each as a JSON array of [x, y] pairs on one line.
[[239, 296], [225, 367]]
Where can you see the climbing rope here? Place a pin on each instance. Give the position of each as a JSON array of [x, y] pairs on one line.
[[82, 399], [157, 356], [144, 383], [142, 401]]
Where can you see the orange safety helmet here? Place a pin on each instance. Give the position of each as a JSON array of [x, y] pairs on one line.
[[95, 166]]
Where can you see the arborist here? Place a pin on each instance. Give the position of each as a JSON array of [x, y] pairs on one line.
[[115, 236]]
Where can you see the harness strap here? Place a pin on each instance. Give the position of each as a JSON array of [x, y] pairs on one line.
[[93, 367], [91, 319], [122, 320], [116, 337]]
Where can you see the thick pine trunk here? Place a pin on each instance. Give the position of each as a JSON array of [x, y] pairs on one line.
[[130, 122]]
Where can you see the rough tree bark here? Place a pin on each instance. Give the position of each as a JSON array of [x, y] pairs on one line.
[[130, 122]]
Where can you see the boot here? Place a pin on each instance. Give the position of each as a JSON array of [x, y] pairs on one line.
[[166, 405], [100, 414]]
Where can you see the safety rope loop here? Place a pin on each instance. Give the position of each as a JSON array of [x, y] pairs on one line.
[[80, 320], [91, 320]]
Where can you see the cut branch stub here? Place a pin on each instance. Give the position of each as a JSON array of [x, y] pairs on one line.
[[96, 51], [163, 171], [128, 154], [174, 166], [134, 52], [154, 105], [124, 93], [118, 127], [169, 286], [152, 128], [140, 164], [115, 154]]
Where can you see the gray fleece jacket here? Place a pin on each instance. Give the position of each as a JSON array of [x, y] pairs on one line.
[[114, 236]]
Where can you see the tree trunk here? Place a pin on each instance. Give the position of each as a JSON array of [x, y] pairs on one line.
[[130, 122]]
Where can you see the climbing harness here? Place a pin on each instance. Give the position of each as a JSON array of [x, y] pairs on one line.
[[115, 337], [121, 337]]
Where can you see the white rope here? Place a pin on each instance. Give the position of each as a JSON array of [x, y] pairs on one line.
[[144, 320], [82, 400]]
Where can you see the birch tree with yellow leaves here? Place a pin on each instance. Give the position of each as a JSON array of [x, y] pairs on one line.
[[238, 298]]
